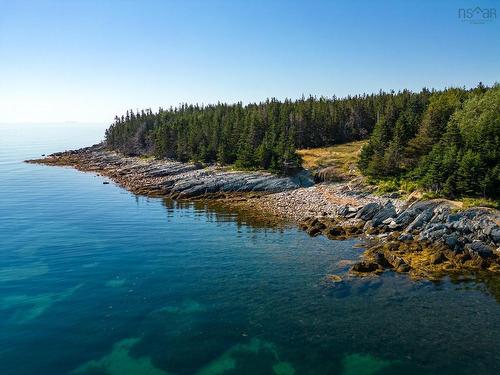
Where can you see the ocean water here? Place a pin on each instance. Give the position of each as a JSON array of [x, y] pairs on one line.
[[96, 280]]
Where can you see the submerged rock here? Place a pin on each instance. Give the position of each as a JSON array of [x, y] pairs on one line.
[[334, 278], [366, 267]]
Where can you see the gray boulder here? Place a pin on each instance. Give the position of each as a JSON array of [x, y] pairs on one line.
[[388, 211], [368, 211], [479, 248], [421, 219], [434, 235], [451, 240], [404, 218], [347, 211], [495, 235]]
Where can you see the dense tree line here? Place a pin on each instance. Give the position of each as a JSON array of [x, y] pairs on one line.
[[263, 135], [447, 142]]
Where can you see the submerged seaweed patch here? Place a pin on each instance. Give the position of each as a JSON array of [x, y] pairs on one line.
[[120, 362], [115, 283], [283, 368], [28, 307], [16, 273], [188, 306], [363, 364], [257, 355]]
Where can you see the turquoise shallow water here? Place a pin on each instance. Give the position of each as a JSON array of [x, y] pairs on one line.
[[95, 280]]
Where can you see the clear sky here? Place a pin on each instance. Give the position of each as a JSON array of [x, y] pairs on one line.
[[88, 60]]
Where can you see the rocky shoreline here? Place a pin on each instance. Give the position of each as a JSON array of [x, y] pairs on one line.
[[170, 178], [424, 238]]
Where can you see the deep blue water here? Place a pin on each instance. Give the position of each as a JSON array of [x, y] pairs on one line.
[[96, 280]]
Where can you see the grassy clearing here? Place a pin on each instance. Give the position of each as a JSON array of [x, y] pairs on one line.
[[480, 202], [390, 185], [405, 187], [341, 158]]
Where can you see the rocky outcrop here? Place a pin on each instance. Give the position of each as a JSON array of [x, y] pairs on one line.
[[368, 211], [385, 213], [172, 178], [425, 238]]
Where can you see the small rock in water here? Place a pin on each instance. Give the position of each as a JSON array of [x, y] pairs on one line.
[[365, 267], [334, 278], [345, 262]]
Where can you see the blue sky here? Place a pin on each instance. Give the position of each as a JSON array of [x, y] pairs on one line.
[[89, 60]]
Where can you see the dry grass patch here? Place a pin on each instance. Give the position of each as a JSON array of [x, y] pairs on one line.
[[340, 160]]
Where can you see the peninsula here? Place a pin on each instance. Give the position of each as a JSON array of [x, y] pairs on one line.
[[416, 175]]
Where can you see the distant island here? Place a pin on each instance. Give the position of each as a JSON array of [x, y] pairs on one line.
[[415, 174]]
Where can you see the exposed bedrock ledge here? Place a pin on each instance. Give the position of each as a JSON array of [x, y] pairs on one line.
[[425, 238], [167, 177]]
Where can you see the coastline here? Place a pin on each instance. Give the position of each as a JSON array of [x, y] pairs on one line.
[[170, 178], [422, 238]]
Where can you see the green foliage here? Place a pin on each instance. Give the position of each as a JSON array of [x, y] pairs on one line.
[[263, 136], [383, 156], [452, 150], [447, 141], [466, 161], [393, 184], [480, 202], [441, 106], [388, 185]]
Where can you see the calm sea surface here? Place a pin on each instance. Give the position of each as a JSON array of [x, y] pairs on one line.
[[96, 280]]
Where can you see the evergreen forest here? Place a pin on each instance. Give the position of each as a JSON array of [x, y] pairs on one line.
[[446, 141]]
